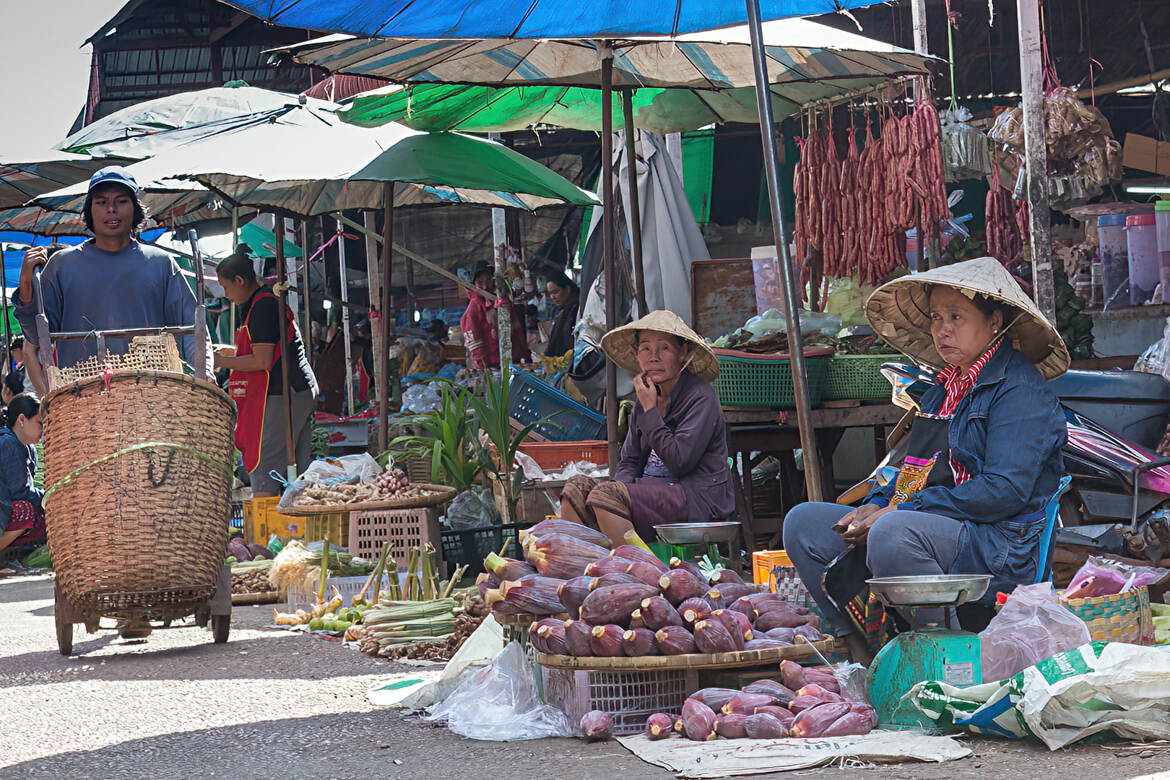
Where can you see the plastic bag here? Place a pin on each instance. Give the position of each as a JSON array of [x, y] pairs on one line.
[[1031, 626], [473, 508], [363, 467], [1106, 577], [421, 398], [500, 703], [772, 321]]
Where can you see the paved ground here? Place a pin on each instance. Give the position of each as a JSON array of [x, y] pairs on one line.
[[275, 704]]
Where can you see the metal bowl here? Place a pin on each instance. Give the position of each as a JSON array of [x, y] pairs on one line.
[[697, 533], [934, 590]]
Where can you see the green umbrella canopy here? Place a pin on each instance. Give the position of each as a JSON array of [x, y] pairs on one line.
[[462, 164]]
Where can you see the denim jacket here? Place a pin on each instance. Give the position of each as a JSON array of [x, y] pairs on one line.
[[1007, 432]]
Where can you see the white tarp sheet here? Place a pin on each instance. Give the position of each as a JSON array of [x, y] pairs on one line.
[[727, 757]]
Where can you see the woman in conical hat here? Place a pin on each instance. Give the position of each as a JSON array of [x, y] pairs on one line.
[[673, 465], [983, 457]]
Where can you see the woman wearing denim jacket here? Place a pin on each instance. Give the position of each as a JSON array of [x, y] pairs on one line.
[[991, 426]]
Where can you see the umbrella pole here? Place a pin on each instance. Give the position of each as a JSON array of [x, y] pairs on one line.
[[808, 442], [7, 325], [283, 315], [341, 272], [633, 206], [384, 318], [499, 250], [235, 246], [308, 335], [607, 236], [373, 287]]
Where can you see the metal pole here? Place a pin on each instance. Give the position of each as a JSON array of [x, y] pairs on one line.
[[200, 324], [503, 312], [305, 282], [235, 245], [808, 442], [341, 270], [374, 285], [382, 369], [607, 235], [7, 325], [1036, 156], [633, 207], [286, 356]]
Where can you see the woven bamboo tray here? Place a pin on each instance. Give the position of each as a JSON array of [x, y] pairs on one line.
[[439, 494], [651, 663], [524, 619]]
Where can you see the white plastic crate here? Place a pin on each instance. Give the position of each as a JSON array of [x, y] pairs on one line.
[[299, 598], [628, 697]]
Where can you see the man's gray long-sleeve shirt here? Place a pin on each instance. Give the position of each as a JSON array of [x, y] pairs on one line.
[[86, 288]]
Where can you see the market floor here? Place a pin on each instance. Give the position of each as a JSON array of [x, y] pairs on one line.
[[272, 704]]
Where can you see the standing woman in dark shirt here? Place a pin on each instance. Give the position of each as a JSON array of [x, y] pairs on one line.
[[565, 295], [256, 383]]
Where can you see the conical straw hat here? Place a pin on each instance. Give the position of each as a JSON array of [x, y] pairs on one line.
[[899, 312], [619, 344]]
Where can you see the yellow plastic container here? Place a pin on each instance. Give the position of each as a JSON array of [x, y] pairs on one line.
[[261, 520], [764, 561]]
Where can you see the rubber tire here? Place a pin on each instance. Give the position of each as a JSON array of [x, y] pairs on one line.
[[64, 636], [221, 626]]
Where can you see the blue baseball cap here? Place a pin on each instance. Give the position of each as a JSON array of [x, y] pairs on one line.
[[113, 174]]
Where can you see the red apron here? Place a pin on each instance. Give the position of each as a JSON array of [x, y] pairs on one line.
[[249, 389]]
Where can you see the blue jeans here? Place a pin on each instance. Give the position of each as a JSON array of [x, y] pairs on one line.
[[899, 544]]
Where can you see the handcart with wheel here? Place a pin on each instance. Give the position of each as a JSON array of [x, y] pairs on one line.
[[138, 476]]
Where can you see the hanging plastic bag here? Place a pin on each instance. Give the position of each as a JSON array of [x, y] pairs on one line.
[[1031, 626], [500, 703]]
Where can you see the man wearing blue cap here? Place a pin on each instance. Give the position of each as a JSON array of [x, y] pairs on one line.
[[110, 282]]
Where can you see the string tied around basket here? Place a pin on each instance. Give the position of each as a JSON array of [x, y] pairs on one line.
[[148, 445]]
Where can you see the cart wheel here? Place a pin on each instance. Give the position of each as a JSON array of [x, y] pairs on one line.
[[64, 635], [202, 615], [220, 626]]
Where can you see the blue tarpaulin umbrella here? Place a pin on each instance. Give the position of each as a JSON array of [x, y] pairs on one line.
[[534, 19]]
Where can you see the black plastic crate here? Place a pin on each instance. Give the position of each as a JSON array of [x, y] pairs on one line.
[[471, 546]]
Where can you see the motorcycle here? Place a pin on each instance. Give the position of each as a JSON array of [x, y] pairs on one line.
[[1119, 498]]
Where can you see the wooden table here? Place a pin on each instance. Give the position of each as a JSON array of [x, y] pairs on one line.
[[772, 432]]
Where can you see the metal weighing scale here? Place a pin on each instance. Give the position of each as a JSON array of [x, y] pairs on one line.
[[703, 539], [926, 652]]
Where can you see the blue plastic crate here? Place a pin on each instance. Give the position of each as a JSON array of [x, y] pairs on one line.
[[532, 399]]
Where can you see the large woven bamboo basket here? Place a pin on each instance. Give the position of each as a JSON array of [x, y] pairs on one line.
[[138, 478]]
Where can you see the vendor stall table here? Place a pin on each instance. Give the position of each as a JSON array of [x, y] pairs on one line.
[[771, 432]]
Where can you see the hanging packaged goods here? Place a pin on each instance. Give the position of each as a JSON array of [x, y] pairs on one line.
[[853, 210]]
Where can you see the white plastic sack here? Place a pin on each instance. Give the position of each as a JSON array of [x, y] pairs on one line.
[[500, 703], [1103, 686], [1031, 626], [347, 467]]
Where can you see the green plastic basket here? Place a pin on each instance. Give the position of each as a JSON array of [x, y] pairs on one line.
[[858, 377], [766, 381]]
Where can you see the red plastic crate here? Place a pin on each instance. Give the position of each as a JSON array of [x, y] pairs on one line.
[[403, 528], [628, 697], [555, 455]]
